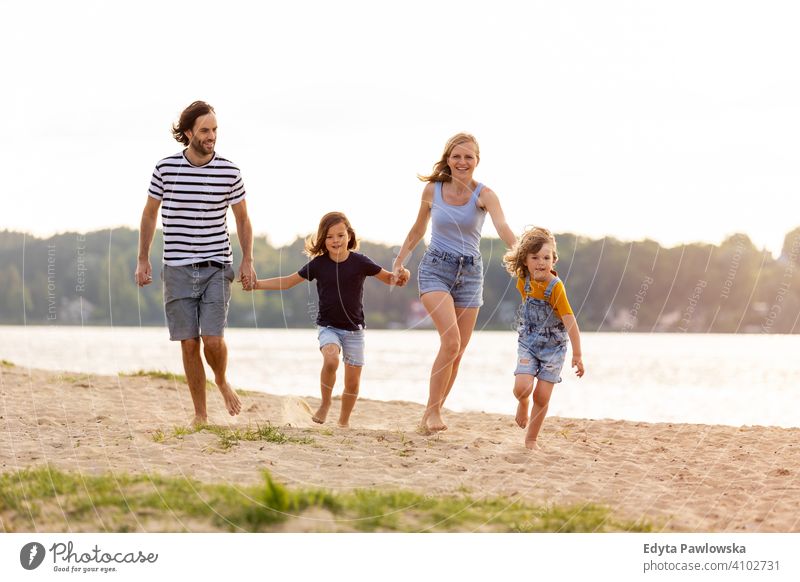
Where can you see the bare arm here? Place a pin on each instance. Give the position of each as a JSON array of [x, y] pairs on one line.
[[247, 274], [278, 283], [147, 228], [417, 230], [575, 339], [489, 200]]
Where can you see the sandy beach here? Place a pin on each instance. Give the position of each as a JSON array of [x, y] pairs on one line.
[[677, 477]]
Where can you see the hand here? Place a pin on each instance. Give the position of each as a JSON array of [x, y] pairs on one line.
[[144, 273], [247, 275], [577, 363], [400, 275], [405, 275]]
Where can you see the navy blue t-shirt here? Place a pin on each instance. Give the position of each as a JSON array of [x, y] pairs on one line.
[[340, 287]]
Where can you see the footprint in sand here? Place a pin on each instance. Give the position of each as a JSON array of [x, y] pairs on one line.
[[517, 458], [296, 412]]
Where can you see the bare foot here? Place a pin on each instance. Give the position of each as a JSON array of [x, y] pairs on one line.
[[199, 421], [522, 413], [341, 424], [322, 413], [532, 445], [432, 422], [232, 402]]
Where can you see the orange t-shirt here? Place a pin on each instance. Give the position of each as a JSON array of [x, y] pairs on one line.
[[558, 297]]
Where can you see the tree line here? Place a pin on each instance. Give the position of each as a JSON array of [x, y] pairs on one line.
[[87, 279]]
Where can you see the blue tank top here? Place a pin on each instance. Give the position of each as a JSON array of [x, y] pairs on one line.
[[457, 229]]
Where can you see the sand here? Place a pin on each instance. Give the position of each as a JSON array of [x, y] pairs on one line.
[[680, 477]]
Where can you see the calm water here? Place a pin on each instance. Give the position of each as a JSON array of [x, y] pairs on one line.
[[698, 378]]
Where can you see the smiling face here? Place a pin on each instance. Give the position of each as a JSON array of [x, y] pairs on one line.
[[462, 161], [540, 264], [203, 136], [337, 240]]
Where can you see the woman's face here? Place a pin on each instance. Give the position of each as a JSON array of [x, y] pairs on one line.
[[462, 160]]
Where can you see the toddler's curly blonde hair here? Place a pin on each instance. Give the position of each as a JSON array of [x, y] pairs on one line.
[[531, 241]]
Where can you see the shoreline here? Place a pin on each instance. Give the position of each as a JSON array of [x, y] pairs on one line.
[[677, 477]]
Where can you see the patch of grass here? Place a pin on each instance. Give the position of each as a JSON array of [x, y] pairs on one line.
[[57, 501], [182, 431], [80, 380], [161, 375], [158, 436], [228, 437], [7, 364], [155, 374]]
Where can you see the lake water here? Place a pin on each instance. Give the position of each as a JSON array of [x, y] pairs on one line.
[[696, 378]]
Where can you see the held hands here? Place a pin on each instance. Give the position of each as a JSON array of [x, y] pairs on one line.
[[577, 363], [400, 275], [247, 275], [144, 273]]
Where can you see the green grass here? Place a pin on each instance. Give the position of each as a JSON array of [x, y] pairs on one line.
[[6, 364], [50, 500], [182, 431], [230, 437], [156, 375], [181, 378]]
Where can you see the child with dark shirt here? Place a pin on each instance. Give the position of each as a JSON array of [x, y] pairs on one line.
[[340, 273]]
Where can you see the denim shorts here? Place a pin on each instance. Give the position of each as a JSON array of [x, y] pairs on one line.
[[541, 353], [460, 276], [196, 300], [351, 343]]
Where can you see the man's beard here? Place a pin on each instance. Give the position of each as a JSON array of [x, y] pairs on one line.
[[198, 148]]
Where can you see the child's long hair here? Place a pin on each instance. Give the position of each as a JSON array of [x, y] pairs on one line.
[[315, 244], [531, 241], [441, 171]]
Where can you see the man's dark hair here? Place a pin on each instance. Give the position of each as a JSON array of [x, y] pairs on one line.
[[187, 119]]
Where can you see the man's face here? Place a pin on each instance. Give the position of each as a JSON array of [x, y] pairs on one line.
[[203, 135]]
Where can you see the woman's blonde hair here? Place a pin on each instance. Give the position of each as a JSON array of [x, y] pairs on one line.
[[441, 171], [315, 244], [531, 241]]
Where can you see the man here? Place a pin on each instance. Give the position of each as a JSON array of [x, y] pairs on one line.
[[194, 189]]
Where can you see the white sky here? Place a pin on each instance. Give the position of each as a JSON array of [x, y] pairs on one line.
[[677, 121]]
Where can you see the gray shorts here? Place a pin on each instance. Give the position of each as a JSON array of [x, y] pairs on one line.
[[196, 300]]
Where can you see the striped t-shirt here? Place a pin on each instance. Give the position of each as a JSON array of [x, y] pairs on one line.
[[194, 204]]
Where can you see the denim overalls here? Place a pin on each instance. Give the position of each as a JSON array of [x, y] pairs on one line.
[[542, 337]]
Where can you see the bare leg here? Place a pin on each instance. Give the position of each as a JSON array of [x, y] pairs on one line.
[[196, 378], [352, 380], [443, 313], [327, 378], [216, 353], [541, 401], [523, 386], [465, 318]]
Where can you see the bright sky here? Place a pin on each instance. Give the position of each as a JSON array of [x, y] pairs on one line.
[[678, 121]]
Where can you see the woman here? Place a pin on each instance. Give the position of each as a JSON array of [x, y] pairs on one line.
[[451, 271]]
